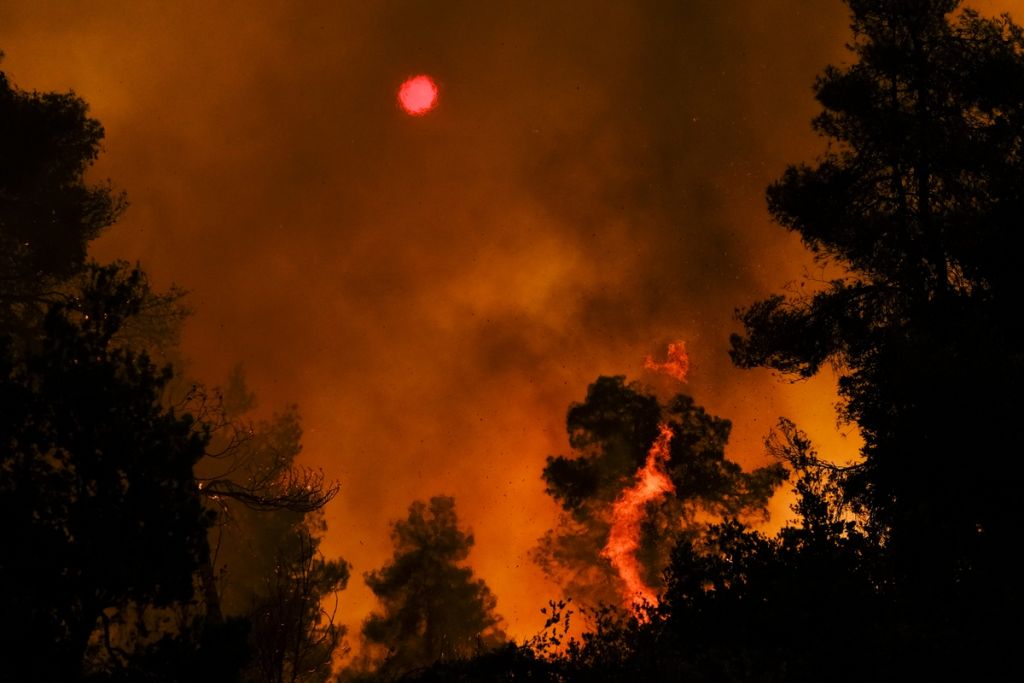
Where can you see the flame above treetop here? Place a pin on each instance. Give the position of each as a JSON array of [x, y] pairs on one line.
[[676, 364]]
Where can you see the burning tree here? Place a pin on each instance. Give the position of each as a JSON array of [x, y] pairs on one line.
[[644, 475]]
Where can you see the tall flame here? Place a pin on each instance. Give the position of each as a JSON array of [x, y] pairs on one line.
[[677, 362], [628, 513]]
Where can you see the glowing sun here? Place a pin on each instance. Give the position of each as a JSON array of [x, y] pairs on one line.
[[418, 95]]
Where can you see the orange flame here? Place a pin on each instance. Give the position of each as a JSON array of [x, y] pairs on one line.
[[628, 512], [677, 362]]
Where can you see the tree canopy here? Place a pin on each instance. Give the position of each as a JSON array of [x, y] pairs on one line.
[[919, 199], [106, 483], [48, 213], [99, 504], [433, 607], [611, 432]]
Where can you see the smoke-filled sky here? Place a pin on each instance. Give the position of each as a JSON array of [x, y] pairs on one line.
[[434, 291]]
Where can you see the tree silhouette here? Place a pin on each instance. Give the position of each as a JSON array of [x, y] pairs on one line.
[[105, 468], [919, 199], [611, 433], [97, 495], [740, 605], [265, 564], [433, 608], [48, 214], [294, 637]]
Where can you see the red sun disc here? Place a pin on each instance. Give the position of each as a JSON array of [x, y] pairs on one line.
[[418, 95]]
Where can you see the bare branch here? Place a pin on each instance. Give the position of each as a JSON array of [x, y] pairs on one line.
[[299, 489]]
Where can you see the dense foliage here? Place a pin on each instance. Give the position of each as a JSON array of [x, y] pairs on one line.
[[99, 506], [48, 213], [611, 432], [919, 199], [112, 485], [433, 609]]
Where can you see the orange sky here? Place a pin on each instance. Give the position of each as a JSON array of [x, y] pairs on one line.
[[434, 291]]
